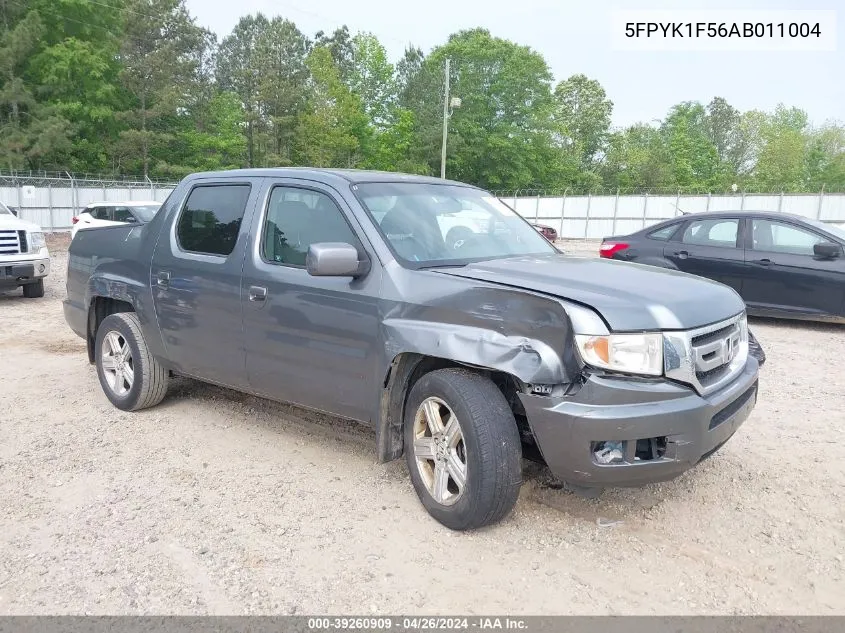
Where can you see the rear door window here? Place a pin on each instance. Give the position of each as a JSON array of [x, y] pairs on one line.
[[211, 219], [716, 232]]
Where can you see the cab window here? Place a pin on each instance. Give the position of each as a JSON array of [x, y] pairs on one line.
[[298, 218]]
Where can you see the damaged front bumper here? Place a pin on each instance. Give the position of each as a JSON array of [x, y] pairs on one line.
[[659, 428]]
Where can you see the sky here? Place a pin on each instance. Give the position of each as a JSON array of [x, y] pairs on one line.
[[575, 36]]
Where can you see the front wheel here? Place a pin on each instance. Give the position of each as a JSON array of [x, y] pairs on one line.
[[129, 375], [462, 448]]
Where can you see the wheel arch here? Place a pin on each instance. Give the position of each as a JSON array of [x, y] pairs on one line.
[[98, 309], [403, 373]]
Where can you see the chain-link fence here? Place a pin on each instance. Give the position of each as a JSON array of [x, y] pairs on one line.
[[51, 199]]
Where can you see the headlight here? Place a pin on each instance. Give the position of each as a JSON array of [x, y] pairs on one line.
[[628, 353], [36, 242]]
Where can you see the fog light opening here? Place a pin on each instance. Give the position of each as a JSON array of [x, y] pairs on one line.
[[650, 448], [41, 268], [610, 452]]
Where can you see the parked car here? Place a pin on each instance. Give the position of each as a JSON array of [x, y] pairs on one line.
[[546, 231], [782, 265], [109, 213], [24, 258], [336, 290]]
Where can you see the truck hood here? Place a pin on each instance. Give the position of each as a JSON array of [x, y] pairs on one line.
[[630, 297], [12, 222]]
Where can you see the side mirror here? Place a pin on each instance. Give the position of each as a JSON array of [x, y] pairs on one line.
[[827, 250], [335, 259]]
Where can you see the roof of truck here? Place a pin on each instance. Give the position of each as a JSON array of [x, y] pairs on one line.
[[326, 175]]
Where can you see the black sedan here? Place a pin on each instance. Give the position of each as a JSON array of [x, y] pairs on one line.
[[781, 265]]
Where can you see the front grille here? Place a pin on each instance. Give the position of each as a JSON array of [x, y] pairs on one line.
[[9, 242], [709, 357], [709, 337]]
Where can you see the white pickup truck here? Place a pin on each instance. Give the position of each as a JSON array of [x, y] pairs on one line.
[[24, 259]]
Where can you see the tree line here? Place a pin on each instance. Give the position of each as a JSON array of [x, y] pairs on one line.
[[131, 87]]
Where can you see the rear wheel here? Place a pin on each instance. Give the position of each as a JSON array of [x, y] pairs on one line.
[[34, 291], [129, 375], [462, 448]]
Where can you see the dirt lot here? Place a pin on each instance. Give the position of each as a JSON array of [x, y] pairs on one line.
[[220, 503]]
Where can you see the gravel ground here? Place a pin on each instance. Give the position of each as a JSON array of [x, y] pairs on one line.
[[219, 503]]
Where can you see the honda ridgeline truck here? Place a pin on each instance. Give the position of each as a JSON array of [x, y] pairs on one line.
[[336, 290]]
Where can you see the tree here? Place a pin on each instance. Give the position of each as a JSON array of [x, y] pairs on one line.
[[339, 45], [239, 71], [582, 115], [160, 55], [407, 70], [334, 128], [693, 157], [781, 165], [31, 132], [283, 84], [372, 79], [75, 69], [219, 144], [637, 158], [501, 137], [826, 159]]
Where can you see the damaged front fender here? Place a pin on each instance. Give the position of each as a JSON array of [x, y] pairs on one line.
[[526, 336], [530, 360]]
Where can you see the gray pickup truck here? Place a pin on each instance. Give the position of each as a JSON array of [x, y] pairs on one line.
[[337, 291]]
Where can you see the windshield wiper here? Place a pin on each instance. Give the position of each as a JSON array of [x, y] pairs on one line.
[[427, 266]]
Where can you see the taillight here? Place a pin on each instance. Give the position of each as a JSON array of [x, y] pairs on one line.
[[609, 249], [74, 220]]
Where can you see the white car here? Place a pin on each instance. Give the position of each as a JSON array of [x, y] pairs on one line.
[[110, 213], [24, 258]]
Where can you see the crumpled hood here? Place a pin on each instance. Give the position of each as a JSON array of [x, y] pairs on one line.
[[11, 222], [628, 296]]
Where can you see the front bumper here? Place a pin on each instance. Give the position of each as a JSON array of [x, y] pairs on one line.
[[15, 273], [623, 410]]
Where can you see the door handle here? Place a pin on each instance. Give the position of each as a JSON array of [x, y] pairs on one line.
[[682, 254], [764, 262], [257, 293], [163, 279]]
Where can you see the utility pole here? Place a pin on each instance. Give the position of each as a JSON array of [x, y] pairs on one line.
[[445, 123]]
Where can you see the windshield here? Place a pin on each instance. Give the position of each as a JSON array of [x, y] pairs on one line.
[[146, 213], [435, 225]]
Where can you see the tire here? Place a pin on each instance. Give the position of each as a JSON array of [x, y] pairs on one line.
[[488, 452], [34, 291], [148, 384]]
